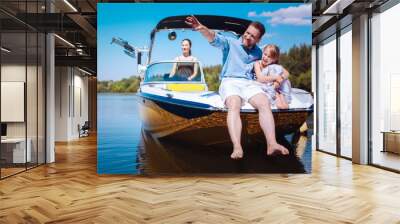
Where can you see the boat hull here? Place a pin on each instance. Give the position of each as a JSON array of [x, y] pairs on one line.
[[199, 124]]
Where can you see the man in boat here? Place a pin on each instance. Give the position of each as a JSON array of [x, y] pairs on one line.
[[237, 85]]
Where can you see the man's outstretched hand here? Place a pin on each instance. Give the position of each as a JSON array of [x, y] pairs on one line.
[[196, 25], [193, 22]]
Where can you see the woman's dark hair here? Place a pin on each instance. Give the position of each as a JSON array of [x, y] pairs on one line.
[[190, 44]]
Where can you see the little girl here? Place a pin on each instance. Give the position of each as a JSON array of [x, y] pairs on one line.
[[270, 73]]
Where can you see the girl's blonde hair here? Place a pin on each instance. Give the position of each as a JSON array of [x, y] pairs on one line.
[[273, 51]]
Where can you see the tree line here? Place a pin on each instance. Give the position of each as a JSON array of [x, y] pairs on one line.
[[297, 60], [126, 85]]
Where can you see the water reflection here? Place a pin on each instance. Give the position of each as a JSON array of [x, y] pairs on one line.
[[124, 148], [118, 135], [167, 156]]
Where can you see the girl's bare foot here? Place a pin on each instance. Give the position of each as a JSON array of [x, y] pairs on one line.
[[237, 153], [277, 149]]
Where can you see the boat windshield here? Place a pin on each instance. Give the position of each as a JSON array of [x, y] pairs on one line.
[[174, 71]]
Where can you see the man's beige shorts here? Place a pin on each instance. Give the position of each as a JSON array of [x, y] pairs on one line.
[[244, 88]]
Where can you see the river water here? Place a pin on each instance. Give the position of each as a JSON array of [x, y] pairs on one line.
[[124, 148]]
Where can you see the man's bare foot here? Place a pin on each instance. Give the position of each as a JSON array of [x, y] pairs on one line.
[[276, 149], [237, 153]]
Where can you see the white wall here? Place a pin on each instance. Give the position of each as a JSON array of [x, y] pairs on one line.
[[71, 94], [10, 73], [12, 101], [13, 72], [33, 125], [62, 82], [80, 110]]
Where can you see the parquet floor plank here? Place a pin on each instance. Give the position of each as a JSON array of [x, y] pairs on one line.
[[70, 191]]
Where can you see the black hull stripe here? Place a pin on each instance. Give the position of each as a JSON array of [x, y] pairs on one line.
[[178, 102]]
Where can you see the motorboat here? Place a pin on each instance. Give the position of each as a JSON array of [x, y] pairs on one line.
[[185, 110]]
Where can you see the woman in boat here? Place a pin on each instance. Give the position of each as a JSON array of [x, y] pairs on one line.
[[185, 68]]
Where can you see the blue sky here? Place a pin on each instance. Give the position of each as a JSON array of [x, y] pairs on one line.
[[286, 24]]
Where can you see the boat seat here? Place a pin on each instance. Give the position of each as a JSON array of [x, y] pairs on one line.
[[186, 87]]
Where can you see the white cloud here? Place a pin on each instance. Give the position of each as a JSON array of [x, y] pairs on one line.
[[252, 14], [269, 35], [294, 15]]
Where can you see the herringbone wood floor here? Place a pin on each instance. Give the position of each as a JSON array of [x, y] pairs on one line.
[[70, 191]]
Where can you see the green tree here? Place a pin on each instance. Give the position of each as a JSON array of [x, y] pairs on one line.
[[297, 60], [125, 85], [211, 74]]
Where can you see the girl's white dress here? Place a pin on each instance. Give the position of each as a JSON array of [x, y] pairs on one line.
[[285, 88]]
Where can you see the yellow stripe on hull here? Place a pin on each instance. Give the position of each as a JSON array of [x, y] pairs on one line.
[[186, 87]]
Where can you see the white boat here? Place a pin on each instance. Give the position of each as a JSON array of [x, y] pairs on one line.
[[185, 110]]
